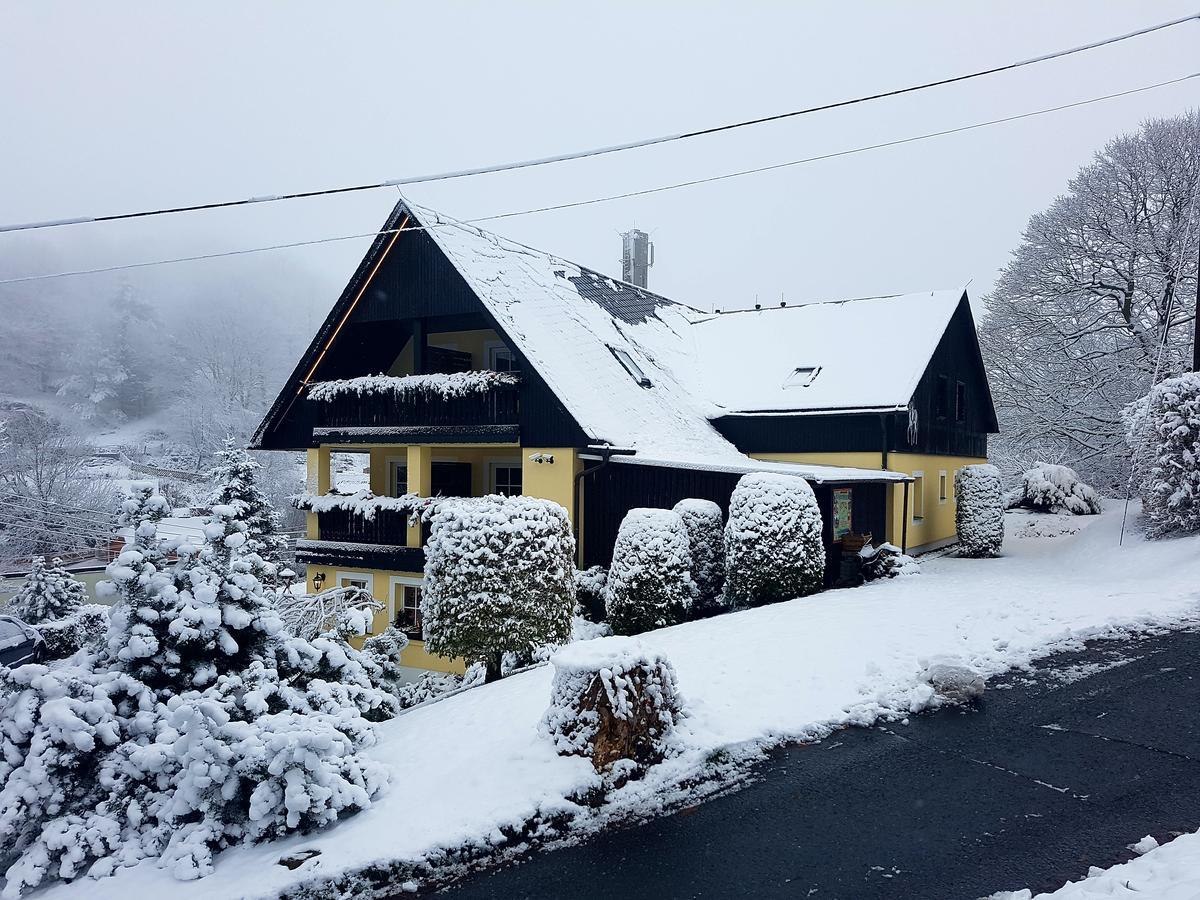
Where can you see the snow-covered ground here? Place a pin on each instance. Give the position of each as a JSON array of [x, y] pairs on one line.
[[1169, 872], [465, 768]]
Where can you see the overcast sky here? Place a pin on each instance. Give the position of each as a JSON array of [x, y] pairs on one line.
[[116, 106]]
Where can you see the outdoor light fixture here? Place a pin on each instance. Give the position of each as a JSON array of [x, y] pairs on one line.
[[318, 580]]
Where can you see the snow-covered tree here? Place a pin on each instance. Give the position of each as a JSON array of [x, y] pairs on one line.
[[48, 593], [1171, 492], [499, 577], [773, 548], [234, 480], [1052, 488], [650, 582], [706, 535], [1074, 324], [979, 511]]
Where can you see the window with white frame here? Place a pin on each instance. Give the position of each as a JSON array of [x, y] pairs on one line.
[[943, 487], [500, 358], [918, 496], [406, 605], [398, 477], [506, 478]]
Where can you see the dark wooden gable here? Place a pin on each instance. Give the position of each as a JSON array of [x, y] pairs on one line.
[[939, 429], [407, 279]]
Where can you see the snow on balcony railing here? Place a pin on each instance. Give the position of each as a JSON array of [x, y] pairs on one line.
[[457, 384], [365, 505]]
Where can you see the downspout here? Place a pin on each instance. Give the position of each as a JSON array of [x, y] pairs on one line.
[[883, 442], [904, 522], [577, 519]]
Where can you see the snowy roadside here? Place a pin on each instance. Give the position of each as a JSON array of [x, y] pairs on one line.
[[470, 773], [1167, 872]]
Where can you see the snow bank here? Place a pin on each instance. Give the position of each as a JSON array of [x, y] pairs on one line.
[[474, 762], [456, 384]]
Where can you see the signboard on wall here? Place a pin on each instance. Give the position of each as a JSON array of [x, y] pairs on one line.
[[842, 522]]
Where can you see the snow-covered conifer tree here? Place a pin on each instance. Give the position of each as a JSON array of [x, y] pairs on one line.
[[979, 511], [48, 594], [649, 583], [1171, 495], [235, 484], [773, 548], [499, 577], [706, 534]]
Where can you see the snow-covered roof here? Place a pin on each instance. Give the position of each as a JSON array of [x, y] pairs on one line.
[[835, 355], [818, 474]]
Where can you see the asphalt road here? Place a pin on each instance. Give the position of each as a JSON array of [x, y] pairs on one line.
[[1050, 775]]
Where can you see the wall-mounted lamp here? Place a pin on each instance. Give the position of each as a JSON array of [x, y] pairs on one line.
[[318, 580]]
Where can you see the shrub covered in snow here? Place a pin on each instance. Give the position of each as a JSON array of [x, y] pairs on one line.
[[47, 594], [649, 583], [589, 592], [426, 686], [499, 577], [773, 548], [235, 484], [84, 629], [979, 514], [706, 535], [612, 699], [1171, 492], [1053, 488], [886, 561]]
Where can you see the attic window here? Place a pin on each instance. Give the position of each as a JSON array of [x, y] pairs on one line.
[[802, 377], [630, 366]]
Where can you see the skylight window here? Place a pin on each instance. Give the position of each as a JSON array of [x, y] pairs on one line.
[[802, 377], [630, 366]]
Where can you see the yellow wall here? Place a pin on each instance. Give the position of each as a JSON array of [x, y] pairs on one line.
[[937, 523], [414, 655]]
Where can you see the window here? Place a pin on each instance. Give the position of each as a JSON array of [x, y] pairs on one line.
[[406, 605], [362, 582], [918, 496], [802, 377], [506, 479], [960, 402], [630, 366], [941, 397], [942, 496], [500, 358], [397, 477]]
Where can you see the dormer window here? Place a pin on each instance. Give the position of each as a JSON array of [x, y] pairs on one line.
[[630, 366], [802, 377]]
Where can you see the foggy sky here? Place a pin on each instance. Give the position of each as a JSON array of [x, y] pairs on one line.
[[118, 106]]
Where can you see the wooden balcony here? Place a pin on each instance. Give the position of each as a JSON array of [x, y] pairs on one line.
[[349, 538], [491, 415]]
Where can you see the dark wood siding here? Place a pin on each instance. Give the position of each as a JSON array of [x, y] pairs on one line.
[[804, 434], [611, 491]]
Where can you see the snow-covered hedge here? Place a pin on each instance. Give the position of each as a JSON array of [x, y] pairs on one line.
[[499, 577], [84, 629], [589, 592], [979, 512], [706, 535], [773, 548], [649, 583], [49, 592], [1053, 488], [1171, 493], [457, 384], [612, 699]]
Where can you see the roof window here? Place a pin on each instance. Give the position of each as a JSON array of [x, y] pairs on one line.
[[802, 377], [630, 366]]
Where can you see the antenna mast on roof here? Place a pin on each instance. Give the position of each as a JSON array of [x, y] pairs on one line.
[[637, 257]]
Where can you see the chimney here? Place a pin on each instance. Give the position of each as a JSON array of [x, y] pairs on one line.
[[637, 257]]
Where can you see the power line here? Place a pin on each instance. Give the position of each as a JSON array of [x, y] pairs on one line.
[[605, 150], [605, 199]]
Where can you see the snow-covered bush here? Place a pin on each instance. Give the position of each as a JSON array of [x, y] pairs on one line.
[[1053, 488], [84, 629], [612, 699], [1171, 492], [979, 513], [589, 592], [706, 535], [48, 593], [307, 615], [649, 583], [773, 548], [426, 686], [886, 561], [499, 577], [235, 484]]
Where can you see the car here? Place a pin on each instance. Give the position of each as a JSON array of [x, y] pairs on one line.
[[19, 643]]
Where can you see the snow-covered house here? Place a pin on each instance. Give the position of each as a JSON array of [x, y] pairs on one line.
[[463, 363]]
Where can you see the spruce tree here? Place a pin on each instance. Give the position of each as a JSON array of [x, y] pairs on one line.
[[49, 593], [235, 484]]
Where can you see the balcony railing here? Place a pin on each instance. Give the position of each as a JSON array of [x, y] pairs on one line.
[[468, 399], [385, 527]]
